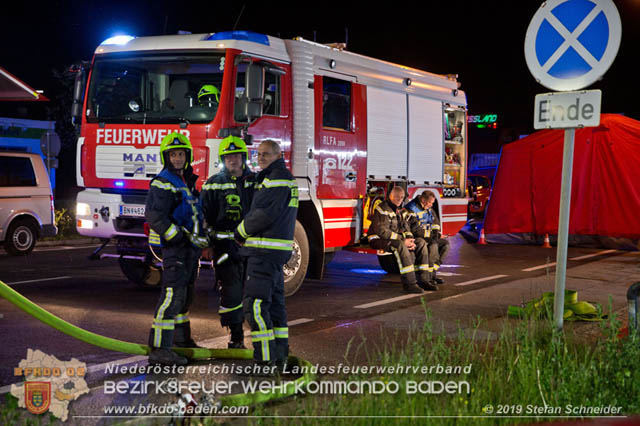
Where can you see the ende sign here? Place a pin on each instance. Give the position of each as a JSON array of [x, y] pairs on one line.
[[563, 110]]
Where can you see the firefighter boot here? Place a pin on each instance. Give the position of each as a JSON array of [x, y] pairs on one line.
[[409, 286], [425, 281], [237, 337], [164, 356], [435, 279]]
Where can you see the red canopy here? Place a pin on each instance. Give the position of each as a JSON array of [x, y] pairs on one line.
[[605, 194]]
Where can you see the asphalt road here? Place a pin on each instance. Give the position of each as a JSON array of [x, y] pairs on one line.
[[94, 295]]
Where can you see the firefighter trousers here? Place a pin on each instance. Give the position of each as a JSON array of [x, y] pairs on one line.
[[171, 320], [230, 279], [413, 264], [265, 311], [438, 249]]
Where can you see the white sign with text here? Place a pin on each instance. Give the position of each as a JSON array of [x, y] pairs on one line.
[[563, 110]]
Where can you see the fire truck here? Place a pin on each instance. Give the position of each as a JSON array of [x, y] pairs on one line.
[[350, 128]]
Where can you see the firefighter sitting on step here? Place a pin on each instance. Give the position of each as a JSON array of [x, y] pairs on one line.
[[421, 206], [175, 219], [390, 231], [226, 197]]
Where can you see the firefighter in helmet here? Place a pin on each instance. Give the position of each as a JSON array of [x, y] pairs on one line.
[[226, 198], [209, 96], [175, 221]]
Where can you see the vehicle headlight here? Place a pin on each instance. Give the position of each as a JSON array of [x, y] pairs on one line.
[[83, 209]]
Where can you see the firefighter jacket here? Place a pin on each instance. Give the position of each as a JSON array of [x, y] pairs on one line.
[[427, 218], [225, 201], [389, 223], [172, 204], [267, 229]]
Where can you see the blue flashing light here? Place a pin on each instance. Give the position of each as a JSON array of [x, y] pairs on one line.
[[240, 35], [119, 184], [368, 271], [120, 40]]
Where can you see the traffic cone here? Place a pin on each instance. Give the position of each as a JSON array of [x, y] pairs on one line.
[[546, 243], [481, 240]]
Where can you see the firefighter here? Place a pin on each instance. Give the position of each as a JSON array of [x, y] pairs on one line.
[[421, 206], [174, 217], [391, 231], [209, 96], [226, 197], [266, 234]]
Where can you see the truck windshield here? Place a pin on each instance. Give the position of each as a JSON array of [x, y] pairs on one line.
[[144, 89]]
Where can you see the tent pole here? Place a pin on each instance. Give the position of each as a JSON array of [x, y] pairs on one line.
[[563, 227]]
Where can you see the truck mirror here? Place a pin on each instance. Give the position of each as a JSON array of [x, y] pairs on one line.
[[78, 93], [254, 93]]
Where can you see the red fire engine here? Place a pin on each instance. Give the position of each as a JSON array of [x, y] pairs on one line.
[[350, 128]]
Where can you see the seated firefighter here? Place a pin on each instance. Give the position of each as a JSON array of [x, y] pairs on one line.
[[391, 231], [421, 207]]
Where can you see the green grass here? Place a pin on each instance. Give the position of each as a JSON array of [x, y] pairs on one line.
[[526, 364]]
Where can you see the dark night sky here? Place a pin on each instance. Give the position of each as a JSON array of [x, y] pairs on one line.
[[481, 41]]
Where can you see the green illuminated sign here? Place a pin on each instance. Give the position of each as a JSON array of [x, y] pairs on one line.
[[485, 118]]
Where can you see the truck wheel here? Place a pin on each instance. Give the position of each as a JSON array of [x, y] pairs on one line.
[[389, 264], [296, 268], [21, 238], [141, 273]]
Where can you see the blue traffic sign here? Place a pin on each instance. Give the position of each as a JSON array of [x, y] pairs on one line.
[[571, 43]]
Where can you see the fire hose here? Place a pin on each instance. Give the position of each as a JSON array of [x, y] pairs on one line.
[[111, 344]]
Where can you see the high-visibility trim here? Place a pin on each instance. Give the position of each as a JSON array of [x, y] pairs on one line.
[[165, 186], [373, 237], [407, 234], [157, 327], [386, 213], [218, 186], [171, 232], [163, 324], [424, 267], [397, 256], [269, 243], [407, 269], [223, 310], [257, 317], [435, 226], [242, 231], [165, 304], [281, 332], [436, 267], [394, 236], [220, 235], [278, 183], [248, 184], [259, 336], [293, 203], [182, 318], [154, 238]]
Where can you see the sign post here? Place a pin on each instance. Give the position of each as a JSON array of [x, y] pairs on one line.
[[569, 45]]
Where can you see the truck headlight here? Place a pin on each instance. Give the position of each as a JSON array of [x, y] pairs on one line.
[[83, 209]]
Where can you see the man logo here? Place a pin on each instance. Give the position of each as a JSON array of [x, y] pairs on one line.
[[37, 396]]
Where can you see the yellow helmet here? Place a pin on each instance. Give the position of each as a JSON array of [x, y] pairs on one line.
[[207, 93], [232, 145], [175, 140]]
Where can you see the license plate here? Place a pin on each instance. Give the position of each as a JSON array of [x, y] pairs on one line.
[[131, 210]]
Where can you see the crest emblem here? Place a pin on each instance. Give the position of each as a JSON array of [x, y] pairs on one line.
[[37, 396]]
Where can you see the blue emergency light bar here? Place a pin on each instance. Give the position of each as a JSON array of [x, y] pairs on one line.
[[119, 183], [240, 35], [120, 40]]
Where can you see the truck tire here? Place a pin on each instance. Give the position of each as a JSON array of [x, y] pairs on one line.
[[389, 264], [296, 268], [21, 237], [141, 272]]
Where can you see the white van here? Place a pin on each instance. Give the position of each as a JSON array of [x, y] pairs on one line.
[[26, 202]]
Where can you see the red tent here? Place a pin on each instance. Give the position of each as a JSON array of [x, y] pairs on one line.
[[605, 194]]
